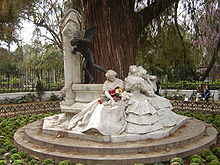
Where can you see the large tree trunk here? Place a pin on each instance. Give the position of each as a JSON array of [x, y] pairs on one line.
[[115, 44], [119, 27]]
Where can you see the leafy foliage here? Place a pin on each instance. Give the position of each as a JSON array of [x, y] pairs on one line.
[[11, 13], [177, 159], [162, 54], [179, 42], [192, 85], [65, 162], [48, 162]]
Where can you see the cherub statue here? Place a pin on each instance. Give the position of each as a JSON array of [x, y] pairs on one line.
[[82, 45]]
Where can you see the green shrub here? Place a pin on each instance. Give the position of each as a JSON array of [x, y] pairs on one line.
[[2, 158], [2, 140], [40, 89], [54, 97], [196, 160], [214, 162], [193, 164], [189, 84], [15, 157], [30, 157], [8, 146], [209, 158], [217, 152], [18, 162], [22, 154], [33, 162], [65, 162], [206, 153], [14, 150], [2, 151], [178, 159], [3, 162], [196, 156], [48, 161]]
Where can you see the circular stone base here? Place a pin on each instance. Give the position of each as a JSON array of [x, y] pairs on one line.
[[50, 127], [192, 137]]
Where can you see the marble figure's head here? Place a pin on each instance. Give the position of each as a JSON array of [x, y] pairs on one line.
[[111, 75], [141, 71], [133, 70]]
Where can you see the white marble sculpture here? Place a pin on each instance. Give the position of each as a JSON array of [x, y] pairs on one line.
[[145, 111], [126, 111]]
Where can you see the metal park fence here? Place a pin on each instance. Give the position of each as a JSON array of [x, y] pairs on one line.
[[26, 81]]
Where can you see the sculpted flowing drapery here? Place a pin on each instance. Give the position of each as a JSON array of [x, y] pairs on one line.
[[141, 112], [108, 118], [146, 112]]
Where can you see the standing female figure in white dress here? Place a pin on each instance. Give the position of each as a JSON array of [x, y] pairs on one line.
[[108, 116]]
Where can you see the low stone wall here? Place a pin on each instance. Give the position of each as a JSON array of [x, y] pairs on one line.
[[45, 96]]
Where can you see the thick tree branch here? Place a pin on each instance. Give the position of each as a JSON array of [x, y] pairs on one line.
[[179, 32], [153, 11], [176, 22], [213, 60], [54, 35]]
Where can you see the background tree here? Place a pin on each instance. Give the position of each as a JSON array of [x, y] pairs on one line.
[[8, 64], [208, 35], [11, 13], [163, 54], [46, 16], [43, 62]]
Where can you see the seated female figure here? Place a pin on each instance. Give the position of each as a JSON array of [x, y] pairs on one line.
[[146, 112], [105, 114]]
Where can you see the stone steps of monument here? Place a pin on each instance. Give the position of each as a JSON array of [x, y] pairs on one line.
[[192, 131], [42, 151]]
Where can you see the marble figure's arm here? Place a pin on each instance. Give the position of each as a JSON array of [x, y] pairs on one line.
[[107, 94]]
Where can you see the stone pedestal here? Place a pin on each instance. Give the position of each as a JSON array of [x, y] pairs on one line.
[[193, 137], [84, 93], [70, 27]]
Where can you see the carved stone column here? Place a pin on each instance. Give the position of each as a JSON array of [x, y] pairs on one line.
[[70, 27]]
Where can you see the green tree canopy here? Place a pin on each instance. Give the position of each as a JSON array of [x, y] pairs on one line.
[[11, 13]]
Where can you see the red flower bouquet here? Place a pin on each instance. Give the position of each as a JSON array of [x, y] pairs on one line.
[[115, 94]]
